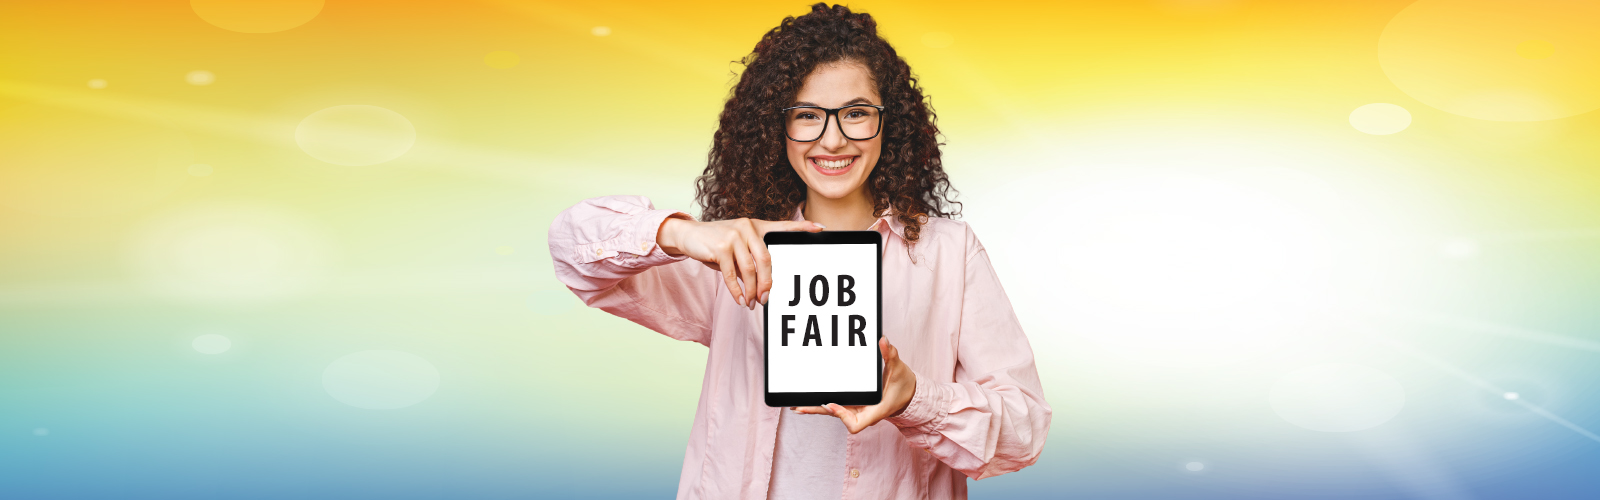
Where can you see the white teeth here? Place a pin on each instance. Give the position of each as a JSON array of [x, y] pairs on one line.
[[835, 164]]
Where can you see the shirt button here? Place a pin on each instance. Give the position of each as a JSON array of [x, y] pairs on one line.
[[599, 251], [644, 245], [855, 473]]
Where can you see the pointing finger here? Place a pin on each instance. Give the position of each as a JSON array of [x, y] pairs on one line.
[[747, 273], [765, 227], [763, 264], [729, 276]]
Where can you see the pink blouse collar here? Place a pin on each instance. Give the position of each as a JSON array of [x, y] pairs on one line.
[[888, 219]]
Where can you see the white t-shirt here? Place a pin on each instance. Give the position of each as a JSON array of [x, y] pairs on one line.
[[809, 460]]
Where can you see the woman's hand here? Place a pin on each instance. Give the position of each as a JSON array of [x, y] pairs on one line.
[[733, 247], [899, 384]]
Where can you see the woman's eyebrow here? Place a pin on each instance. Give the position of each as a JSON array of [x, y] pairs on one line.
[[858, 100]]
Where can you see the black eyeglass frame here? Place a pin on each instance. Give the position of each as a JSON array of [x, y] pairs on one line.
[[833, 115]]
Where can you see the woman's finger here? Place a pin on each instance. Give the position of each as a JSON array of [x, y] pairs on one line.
[[767, 226], [763, 263], [850, 417], [725, 263], [747, 272]]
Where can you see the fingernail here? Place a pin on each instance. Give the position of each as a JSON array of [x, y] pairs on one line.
[[763, 297], [819, 225]]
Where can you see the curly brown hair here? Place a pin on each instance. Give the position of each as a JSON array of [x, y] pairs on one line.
[[748, 174]]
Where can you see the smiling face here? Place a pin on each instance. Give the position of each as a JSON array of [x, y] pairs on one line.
[[834, 166]]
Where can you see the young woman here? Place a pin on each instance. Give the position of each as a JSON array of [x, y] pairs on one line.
[[826, 129]]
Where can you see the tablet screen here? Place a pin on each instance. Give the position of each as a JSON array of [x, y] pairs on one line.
[[822, 318]]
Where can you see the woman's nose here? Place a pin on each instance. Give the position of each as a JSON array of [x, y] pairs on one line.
[[832, 138]]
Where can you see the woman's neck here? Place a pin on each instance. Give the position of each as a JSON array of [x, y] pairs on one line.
[[850, 213]]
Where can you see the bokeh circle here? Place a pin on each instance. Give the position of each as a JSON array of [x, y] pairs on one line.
[[256, 16], [200, 77], [381, 380], [1494, 60], [355, 135], [211, 343]]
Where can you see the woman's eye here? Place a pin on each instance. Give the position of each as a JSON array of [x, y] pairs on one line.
[[805, 116], [856, 113]]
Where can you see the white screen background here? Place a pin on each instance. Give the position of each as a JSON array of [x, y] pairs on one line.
[[826, 368]]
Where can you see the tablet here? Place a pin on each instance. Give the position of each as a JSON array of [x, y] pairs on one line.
[[823, 317]]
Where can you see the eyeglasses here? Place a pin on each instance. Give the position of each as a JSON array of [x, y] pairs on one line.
[[858, 122]]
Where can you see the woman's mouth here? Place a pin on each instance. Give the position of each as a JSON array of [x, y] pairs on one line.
[[832, 167]]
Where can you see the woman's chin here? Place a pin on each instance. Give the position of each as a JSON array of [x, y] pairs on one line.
[[834, 191]]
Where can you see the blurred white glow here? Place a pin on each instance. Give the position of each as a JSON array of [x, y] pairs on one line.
[[600, 31], [380, 380], [1194, 466], [1509, 387], [211, 343], [1459, 249], [1170, 268], [1337, 397], [41, 432], [1303, 192], [228, 253], [97, 83], [1380, 118], [355, 135], [200, 170], [200, 77]]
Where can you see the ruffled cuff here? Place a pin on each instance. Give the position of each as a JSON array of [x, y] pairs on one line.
[[925, 413], [650, 253], [635, 245]]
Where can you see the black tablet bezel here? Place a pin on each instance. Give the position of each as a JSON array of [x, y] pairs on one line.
[[782, 399]]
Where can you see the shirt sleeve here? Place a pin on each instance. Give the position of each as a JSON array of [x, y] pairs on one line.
[[993, 419], [605, 251]]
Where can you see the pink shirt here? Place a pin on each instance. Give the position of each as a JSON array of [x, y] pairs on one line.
[[978, 410]]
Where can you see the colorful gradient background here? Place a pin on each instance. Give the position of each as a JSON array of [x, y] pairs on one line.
[[1263, 249]]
